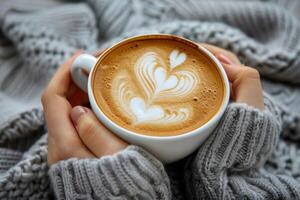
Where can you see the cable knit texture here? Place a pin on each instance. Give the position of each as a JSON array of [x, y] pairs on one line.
[[240, 160]]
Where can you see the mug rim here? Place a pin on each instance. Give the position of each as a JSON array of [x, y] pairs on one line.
[[191, 133]]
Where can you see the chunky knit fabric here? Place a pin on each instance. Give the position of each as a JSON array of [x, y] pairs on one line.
[[131, 174], [256, 157], [226, 166]]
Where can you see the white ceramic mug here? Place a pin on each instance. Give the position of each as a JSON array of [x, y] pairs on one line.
[[166, 148]]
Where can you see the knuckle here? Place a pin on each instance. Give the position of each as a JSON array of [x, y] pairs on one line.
[[253, 72], [234, 57], [249, 72], [44, 97], [231, 55], [87, 126]]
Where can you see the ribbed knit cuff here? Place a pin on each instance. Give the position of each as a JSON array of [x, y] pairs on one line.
[[130, 173], [228, 164], [244, 138], [252, 133]]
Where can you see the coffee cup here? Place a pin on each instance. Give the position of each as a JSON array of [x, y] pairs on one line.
[[161, 92]]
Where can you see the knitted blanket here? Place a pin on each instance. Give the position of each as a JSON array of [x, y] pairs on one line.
[[37, 36]]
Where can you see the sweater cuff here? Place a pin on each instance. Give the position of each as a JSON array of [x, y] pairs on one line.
[[130, 173], [244, 138]]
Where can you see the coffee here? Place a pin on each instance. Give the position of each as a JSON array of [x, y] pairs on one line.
[[158, 87]]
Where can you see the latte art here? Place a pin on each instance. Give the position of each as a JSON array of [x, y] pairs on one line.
[[155, 114], [157, 87], [176, 58], [160, 82], [136, 108]]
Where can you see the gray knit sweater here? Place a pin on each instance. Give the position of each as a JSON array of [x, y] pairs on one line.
[[226, 166], [251, 155]]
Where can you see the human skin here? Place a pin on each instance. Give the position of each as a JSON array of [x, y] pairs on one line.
[[74, 131]]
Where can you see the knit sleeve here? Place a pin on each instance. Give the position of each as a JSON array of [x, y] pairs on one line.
[[243, 140], [228, 164], [130, 174]]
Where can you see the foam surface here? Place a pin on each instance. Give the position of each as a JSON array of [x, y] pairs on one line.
[[158, 87]]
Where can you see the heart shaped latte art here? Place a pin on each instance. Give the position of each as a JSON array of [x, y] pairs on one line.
[[155, 114], [176, 58], [151, 113], [159, 82], [163, 82]]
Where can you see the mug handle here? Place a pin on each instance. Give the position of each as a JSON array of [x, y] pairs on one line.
[[81, 68]]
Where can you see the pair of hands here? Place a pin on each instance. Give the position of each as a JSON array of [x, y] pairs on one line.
[[74, 130]]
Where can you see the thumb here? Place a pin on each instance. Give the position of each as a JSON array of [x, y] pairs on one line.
[[98, 139]]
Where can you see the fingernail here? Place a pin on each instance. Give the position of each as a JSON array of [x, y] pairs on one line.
[[76, 113], [223, 59]]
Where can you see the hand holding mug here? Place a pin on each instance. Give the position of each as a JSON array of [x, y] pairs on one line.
[[245, 81], [161, 92], [86, 137]]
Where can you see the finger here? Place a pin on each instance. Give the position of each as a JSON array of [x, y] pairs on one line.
[[59, 125], [235, 72], [56, 107], [249, 91], [245, 81], [65, 140], [232, 70], [247, 88], [94, 135], [60, 83], [246, 85], [219, 52], [62, 152]]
